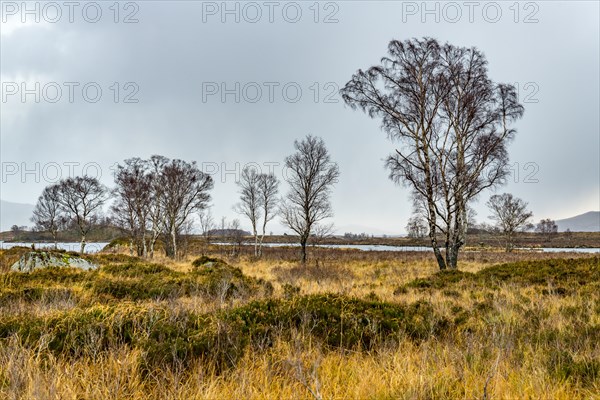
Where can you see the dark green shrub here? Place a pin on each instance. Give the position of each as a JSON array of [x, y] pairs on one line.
[[440, 280], [203, 260], [580, 271], [220, 280], [290, 290], [106, 259], [46, 277], [563, 366], [137, 269], [139, 289], [30, 294], [400, 290], [173, 340]]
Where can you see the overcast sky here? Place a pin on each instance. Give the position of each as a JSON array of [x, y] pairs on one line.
[[181, 78]]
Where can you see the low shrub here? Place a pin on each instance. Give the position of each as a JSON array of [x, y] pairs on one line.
[[579, 271], [563, 366], [10, 256], [168, 339], [31, 294], [313, 272], [108, 259], [137, 269]]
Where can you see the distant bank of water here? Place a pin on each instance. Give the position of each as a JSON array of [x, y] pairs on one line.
[[98, 246], [381, 247], [565, 249], [92, 247]]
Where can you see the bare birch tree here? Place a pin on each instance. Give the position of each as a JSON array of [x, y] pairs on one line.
[[185, 190], [207, 223], [510, 214], [267, 191], [311, 175], [451, 124], [250, 199], [156, 215], [82, 198], [48, 214], [133, 196]]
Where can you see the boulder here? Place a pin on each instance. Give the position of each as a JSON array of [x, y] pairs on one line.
[[43, 259]]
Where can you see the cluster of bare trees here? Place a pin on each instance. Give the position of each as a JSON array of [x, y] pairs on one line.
[[547, 227], [451, 124], [152, 198], [416, 227], [258, 202], [311, 175], [157, 198], [76, 200]]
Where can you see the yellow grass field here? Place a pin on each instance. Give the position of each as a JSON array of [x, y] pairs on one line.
[[348, 325]]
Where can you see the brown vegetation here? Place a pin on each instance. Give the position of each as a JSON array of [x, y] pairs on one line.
[[349, 324]]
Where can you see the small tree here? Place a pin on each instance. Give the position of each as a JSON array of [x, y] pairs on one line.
[[82, 198], [156, 211], [47, 214], [568, 234], [185, 189], [416, 227], [510, 214], [267, 191], [207, 224], [250, 200], [321, 232], [237, 236], [547, 227], [133, 196], [311, 175]]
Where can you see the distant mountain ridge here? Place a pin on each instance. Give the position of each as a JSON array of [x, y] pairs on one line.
[[14, 214], [586, 222]]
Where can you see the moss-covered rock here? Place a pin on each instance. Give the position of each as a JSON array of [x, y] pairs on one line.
[[35, 260]]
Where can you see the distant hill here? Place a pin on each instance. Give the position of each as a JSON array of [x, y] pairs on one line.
[[14, 214], [587, 222]]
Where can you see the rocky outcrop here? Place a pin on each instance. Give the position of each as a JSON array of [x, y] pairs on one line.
[[43, 259]]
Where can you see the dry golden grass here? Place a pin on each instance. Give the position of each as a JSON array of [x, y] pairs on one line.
[[506, 338]]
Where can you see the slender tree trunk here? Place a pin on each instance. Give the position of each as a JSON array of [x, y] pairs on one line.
[[452, 256], [260, 244], [174, 241], [153, 243], [434, 243], [509, 242], [255, 245], [55, 240], [438, 254], [82, 244], [432, 215], [262, 237], [144, 247], [131, 247], [303, 240]]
